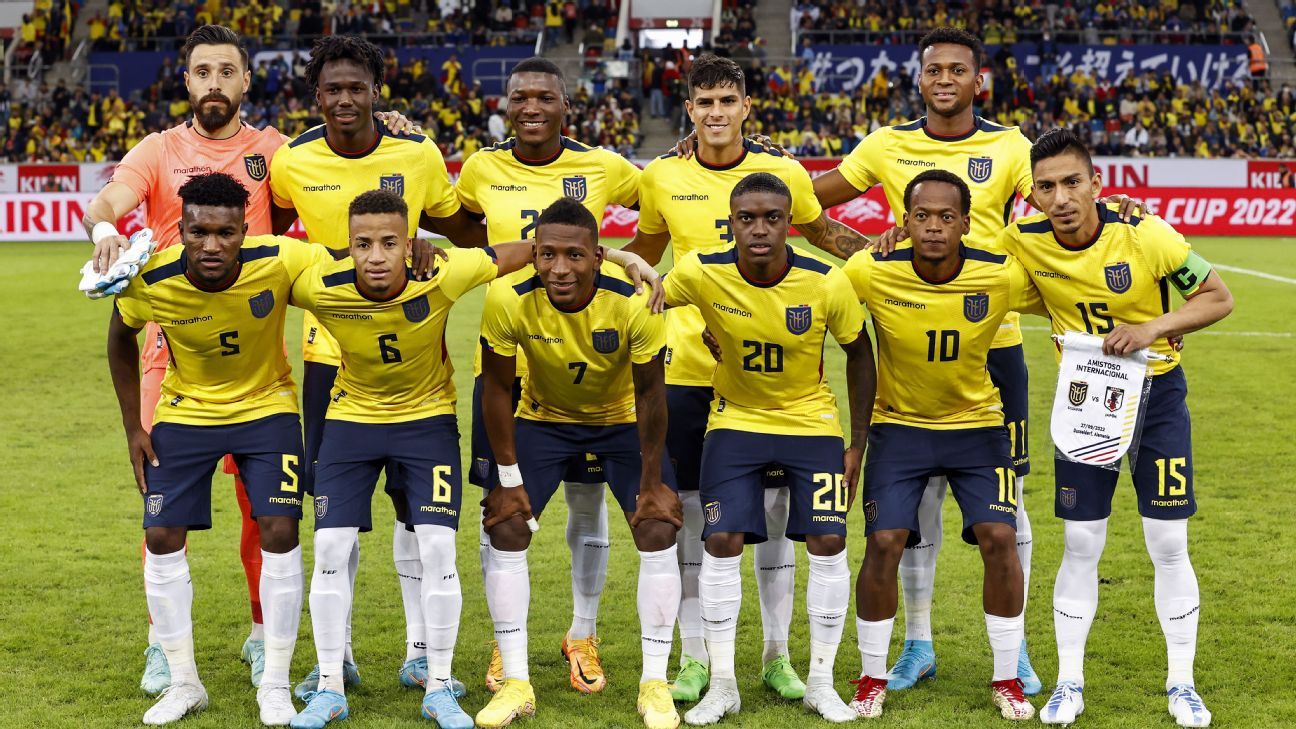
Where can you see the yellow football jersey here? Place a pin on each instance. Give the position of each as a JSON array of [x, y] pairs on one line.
[[1120, 277], [580, 360], [993, 160], [770, 378], [511, 192], [933, 338], [320, 182], [227, 356], [395, 363], [690, 200]]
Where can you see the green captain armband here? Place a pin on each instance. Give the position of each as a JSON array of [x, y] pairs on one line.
[[1190, 275]]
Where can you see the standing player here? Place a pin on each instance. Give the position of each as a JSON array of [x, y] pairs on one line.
[[318, 174], [685, 202], [770, 309], [393, 407], [936, 308], [1100, 274], [228, 389], [511, 182], [595, 385]]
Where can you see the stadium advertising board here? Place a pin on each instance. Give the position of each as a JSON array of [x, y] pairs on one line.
[[846, 67]]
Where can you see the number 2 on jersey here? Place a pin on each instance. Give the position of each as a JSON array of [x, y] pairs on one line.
[[528, 230]]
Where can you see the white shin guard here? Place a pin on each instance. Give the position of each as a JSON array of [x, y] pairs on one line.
[[720, 593], [587, 539], [1178, 600], [918, 564], [658, 600], [827, 599], [508, 595], [1075, 594], [281, 603], [775, 565], [330, 601], [689, 544], [441, 597], [409, 570], [170, 601]]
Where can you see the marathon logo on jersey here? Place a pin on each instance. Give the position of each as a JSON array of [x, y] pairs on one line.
[[870, 511], [416, 310], [713, 512], [606, 341], [1067, 497], [799, 319], [1113, 399], [1118, 277], [153, 504], [979, 169], [575, 188], [262, 304], [321, 506], [392, 183], [256, 166], [1077, 392], [976, 306]]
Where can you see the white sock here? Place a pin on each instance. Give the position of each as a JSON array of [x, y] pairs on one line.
[[1025, 540], [775, 565], [257, 632], [409, 570], [353, 569], [587, 538], [827, 598], [720, 593], [170, 601], [442, 599], [152, 633], [483, 540], [1005, 643], [330, 601], [281, 603], [508, 594], [874, 638], [689, 542], [1075, 594], [918, 564], [1178, 601], [659, 599]]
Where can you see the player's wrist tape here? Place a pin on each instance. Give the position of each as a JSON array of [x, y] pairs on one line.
[[510, 476], [102, 230]]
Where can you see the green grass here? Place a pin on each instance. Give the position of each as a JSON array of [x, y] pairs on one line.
[[72, 612]]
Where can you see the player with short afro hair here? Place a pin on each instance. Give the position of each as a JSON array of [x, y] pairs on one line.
[[214, 189], [344, 48]]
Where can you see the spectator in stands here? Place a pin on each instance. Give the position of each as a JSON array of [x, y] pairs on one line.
[[1136, 140]]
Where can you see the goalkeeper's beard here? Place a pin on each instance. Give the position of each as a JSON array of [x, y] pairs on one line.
[[213, 118]]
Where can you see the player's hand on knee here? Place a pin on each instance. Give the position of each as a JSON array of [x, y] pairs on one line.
[[712, 344], [851, 460], [107, 251], [887, 242], [1128, 338], [503, 504], [140, 445], [397, 123], [684, 147], [423, 258], [657, 501]]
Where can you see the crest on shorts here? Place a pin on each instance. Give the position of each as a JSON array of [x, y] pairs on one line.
[[799, 319], [1113, 398], [870, 511], [979, 168], [321, 506], [1118, 277], [153, 504], [416, 310], [262, 304], [1077, 392], [575, 188], [255, 165], [1067, 497], [481, 468], [392, 183], [606, 341], [976, 306], [712, 512]]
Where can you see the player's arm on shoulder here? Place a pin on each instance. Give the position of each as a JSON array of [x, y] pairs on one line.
[[638, 270], [853, 177], [834, 236], [464, 228], [652, 234], [625, 177], [859, 271], [100, 220], [123, 367]]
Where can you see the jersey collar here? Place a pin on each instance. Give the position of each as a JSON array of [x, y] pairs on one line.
[[791, 258], [562, 144], [409, 276], [962, 252], [238, 271], [976, 124], [1102, 223], [379, 128], [727, 166]]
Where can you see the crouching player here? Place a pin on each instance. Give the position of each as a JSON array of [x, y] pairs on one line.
[[596, 384], [220, 300]]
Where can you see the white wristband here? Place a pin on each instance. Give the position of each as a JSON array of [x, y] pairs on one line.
[[102, 230], [510, 476]]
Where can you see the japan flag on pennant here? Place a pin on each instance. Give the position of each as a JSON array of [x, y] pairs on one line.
[[1096, 409]]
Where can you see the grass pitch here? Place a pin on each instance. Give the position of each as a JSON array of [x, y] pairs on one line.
[[72, 612]]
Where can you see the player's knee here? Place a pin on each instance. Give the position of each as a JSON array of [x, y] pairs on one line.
[[1167, 541], [436, 546], [333, 547], [278, 533], [164, 540], [653, 535], [826, 545], [1084, 539], [511, 535], [997, 542], [725, 544], [885, 548]]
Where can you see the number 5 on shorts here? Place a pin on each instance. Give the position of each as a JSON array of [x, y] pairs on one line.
[[289, 483], [831, 496]]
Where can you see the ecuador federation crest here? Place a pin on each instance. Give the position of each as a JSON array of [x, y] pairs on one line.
[[870, 511], [1077, 392], [255, 164], [575, 188], [606, 341], [153, 504], [262, 304], [979, 168], [416, 310], [1113, 398], [799, 319], [976, 306], [712, 512], [392, 183], [321, 506], [1067, 496], [1118, 277]]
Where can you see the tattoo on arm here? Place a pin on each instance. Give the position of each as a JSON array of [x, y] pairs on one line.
[[834, 237]]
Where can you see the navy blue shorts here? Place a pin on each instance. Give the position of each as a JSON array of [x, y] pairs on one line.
[[900, 459], [267, 451], [734, 468], [422, 462], [484, 473], [1163, 464], [689, 406], [1007, 366], [548, 451]]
